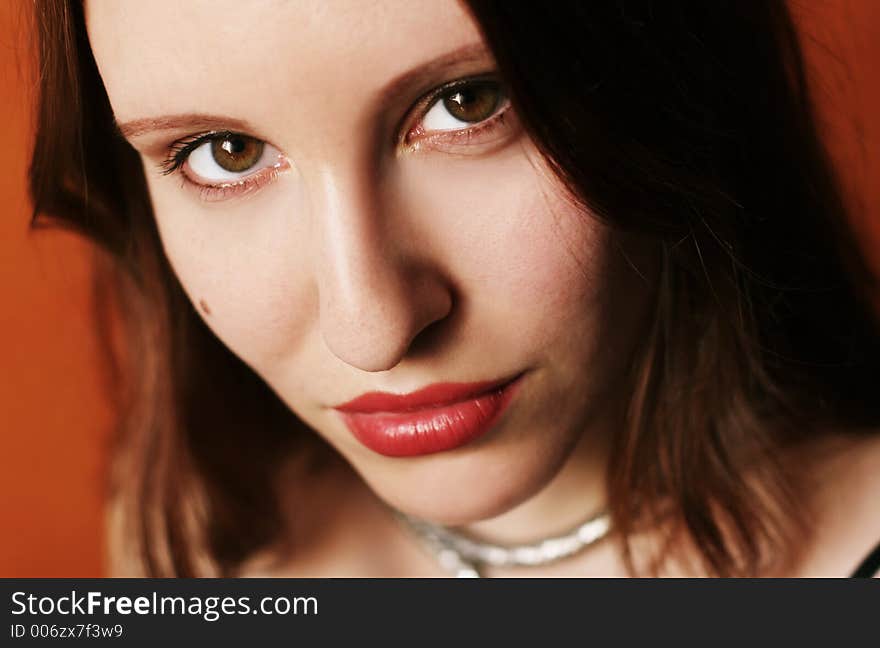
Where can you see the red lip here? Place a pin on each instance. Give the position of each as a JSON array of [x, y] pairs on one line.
[[439, 417]]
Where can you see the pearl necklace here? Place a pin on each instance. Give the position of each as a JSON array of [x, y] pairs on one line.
[[463, 556]]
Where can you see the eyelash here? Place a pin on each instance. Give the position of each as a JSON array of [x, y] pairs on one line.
[[180, 150], [462, 136], [179, 153]]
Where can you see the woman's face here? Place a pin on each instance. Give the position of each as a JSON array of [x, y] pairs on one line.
[[373, 236]]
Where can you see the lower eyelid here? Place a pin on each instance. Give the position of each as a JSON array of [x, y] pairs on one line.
[[247, 185], [465, 133]]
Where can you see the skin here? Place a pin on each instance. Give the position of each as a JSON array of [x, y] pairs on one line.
[[368, 263]]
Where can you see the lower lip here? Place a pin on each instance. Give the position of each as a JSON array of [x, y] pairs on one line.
[[430, 430]]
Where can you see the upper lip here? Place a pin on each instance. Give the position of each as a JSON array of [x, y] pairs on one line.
[[434, 395]]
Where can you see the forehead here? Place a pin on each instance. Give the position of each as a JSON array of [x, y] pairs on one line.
[[213, 56]]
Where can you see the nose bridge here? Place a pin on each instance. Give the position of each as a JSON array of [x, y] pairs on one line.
[[374, 296]]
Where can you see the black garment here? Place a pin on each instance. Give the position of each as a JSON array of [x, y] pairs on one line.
[[869, 566]]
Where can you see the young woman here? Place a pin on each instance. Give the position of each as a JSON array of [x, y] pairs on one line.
[[475, 288]]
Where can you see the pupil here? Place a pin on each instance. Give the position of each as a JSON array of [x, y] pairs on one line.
[[234, 145], [236, 153], [464, 97], [473, 103]]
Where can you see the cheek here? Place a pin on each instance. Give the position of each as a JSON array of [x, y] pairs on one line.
[[544, 277], [239, 263], [531, 266], [555, 259]]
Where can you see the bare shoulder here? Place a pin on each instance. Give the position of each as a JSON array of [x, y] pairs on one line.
[[844, 493]]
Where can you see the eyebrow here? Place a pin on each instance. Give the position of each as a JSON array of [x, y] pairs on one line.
[[403, 83], [138, 127], [399, 85]]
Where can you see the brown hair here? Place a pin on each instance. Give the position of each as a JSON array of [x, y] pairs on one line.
[[660, 122]]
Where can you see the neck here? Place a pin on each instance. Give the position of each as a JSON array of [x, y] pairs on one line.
[[575, 493]]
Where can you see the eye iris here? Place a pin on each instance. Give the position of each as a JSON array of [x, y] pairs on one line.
[[236, 153], [472, 103]]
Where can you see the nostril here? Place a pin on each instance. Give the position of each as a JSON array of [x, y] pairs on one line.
[[435, 337], [430, 339]]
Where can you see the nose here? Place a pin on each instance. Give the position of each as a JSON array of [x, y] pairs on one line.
[[376, 292]]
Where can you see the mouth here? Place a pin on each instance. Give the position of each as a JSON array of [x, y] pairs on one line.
[[440, 417]]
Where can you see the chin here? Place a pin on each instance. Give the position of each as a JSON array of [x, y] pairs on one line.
[[469, 484]]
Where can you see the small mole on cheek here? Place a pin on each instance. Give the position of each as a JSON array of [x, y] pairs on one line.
[[204, 306]]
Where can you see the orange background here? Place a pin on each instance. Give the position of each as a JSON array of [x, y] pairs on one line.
[[54, 417]]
